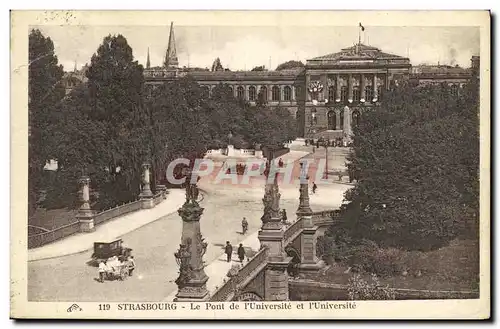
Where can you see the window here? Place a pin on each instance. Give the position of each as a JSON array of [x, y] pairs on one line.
[[206, 91], [355, 117], [252, 93], [341, 117], [331, 94], [287, 93], [454, 90], [343, 94], [380, 90], [368, 93], [332, 120], [355, 94], [276, 93], [263, 93], [231, 90], [241, 92]]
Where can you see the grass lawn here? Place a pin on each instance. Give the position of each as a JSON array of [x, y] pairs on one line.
[[52, 219], [454, 267]]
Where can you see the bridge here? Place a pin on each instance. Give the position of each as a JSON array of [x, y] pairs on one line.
[[285, 248]]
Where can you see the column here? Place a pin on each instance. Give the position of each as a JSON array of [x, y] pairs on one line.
[[347, 123], [362, 86], [375, 90], [270, 93], [85, 215], [293, 94], [247, 94], [282, 93], [349, 97], [276, 281], [324, 92], [337, 88], [337, 119], [308, 81], [192, 278]]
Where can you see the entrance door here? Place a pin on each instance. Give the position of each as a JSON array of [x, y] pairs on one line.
[[332, 120]]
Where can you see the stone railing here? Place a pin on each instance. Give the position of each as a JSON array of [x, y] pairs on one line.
[[41, 239], [326, 217], [117, 211], [292, 231], [228, 290], [158, 197]]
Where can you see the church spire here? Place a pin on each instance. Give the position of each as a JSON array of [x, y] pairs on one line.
[[148, 62], [171, 60]]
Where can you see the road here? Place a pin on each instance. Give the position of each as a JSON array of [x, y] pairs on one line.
[[70, 279]]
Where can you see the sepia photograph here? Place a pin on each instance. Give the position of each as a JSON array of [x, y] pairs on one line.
[[194, 161]]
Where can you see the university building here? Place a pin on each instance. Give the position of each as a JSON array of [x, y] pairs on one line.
[[327, 96]]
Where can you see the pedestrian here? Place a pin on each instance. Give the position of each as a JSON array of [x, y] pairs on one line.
[[244, 225], [102, 271], [241, 252], [229, 251], [131, 265], [284, 216], [314, 188]]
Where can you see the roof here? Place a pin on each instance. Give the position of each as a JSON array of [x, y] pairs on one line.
[[440, 71], [228, 75], [358, 52]]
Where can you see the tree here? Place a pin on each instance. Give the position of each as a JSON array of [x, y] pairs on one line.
[[416, 161], [290, 65], [217, 66], [44, 92], [259, 68]]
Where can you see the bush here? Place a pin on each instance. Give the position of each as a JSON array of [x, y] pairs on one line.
[[360, 289]]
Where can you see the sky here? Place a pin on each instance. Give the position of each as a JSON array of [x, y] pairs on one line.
[[244, 47]]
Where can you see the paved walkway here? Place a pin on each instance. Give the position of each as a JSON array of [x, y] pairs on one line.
[[109, 230]]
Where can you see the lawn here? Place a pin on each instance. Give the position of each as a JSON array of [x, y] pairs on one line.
[[454, 267], [52, 219]]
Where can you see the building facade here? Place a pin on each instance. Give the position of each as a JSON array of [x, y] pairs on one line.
[[327, 96]]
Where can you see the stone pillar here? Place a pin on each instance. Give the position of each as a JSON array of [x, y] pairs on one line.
[[192, 278], [308, 259], [247, 92], [282, 93], [271, 236], [347, 123], [270, 93], [337, 89], [146, 195], [375, 89], [362, 86], [293, 93], [337, 119], [85, 214], [349, 97]]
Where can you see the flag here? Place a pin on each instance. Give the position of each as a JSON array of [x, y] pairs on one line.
[[362, 27]]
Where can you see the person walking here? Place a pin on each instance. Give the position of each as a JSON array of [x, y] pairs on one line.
[[229, 251], [102, 271], [131, 265], [244, 225], [241, 253], [314, 188]]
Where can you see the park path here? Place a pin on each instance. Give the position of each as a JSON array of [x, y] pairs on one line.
[[109, 230]]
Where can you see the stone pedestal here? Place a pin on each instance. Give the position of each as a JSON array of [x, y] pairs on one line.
[[192, 277], [85, 214], [230, 150], [146, 195], [276, 279]]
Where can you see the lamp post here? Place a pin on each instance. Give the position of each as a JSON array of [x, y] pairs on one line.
[[325, 174]]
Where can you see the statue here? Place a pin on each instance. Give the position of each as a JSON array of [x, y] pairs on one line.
[[183, 258], [192, 193]]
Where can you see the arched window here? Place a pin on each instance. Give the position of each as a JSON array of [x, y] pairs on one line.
[[287, 93], [355, 117], [263, 93], [206, 91], [276, 93], [252, 93], [331, 94], [454, 90], [241, 92], [231, 90], [369, 93], [341, 123], [332, 120]]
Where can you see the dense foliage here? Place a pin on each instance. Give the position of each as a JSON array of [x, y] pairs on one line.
[[290, 65], [416, 160], [109, 126]]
